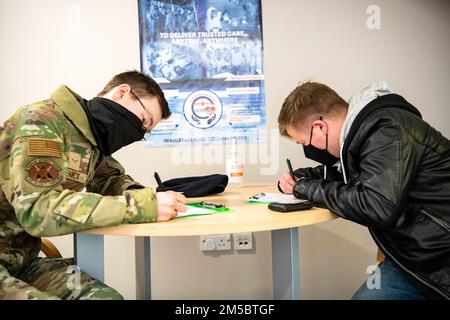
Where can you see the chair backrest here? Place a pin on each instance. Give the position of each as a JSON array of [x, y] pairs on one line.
[[380, 256], [49, 249]]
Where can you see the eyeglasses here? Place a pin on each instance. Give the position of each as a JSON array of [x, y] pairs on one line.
[[148, 113]]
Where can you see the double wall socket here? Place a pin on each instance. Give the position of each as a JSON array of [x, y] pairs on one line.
[[242, 241], [215, 242]]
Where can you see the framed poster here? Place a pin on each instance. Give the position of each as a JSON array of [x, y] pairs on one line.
[[207, 56]]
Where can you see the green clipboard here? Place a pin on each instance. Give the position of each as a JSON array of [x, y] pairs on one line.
[[199, 206]]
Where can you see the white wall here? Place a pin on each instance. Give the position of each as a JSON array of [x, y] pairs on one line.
[[326, 40]]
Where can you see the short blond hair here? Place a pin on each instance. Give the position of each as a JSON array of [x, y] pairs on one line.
[[306, 100]]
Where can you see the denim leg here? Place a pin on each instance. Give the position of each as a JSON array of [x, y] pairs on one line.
[[393, 286]]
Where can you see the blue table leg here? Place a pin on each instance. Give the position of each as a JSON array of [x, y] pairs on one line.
[[143, 268], [285, 264], [89, 254]]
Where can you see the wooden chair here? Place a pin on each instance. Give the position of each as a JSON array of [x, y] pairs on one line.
[[49, 249], [380, 256]]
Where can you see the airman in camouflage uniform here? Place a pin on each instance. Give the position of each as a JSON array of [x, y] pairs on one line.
[[48, 155]]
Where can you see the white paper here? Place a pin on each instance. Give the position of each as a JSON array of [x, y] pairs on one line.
[[268, 197], [195, 211]]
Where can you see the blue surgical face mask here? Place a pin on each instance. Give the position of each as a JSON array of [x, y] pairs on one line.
[[320, 155]]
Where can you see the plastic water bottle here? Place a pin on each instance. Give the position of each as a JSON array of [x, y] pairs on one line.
[[234, 166]]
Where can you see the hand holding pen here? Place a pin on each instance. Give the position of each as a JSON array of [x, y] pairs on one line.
[[288, 179], [169, 202]]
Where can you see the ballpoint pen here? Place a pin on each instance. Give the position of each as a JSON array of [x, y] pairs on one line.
[[211, 205], [161, 185], [158, 180], [290, 169]]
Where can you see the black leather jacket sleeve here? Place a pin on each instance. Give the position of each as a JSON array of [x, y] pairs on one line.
[[314, 173], [387, 166]]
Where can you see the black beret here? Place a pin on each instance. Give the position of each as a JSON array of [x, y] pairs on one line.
[[196, 186]]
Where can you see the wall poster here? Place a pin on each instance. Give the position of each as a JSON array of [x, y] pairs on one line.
[[207, 56]]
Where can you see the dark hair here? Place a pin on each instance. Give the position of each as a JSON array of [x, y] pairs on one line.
[[142, 85], [308, 99]]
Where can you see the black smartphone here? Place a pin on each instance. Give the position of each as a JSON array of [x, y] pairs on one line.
[[288, 207]]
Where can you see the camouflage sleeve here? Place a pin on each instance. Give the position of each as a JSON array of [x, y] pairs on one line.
[[110, 178], [44, 208]]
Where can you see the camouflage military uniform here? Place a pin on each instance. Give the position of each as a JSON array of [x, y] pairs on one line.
[[48, 156]]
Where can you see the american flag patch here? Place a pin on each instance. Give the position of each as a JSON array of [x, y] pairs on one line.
[[43, 147]]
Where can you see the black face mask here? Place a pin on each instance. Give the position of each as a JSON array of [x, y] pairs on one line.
[[112, 124], [319, 155]]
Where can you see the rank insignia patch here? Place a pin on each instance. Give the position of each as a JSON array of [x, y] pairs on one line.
[[43, 173]]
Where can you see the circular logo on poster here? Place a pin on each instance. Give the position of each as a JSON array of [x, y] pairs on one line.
[[203, 109]]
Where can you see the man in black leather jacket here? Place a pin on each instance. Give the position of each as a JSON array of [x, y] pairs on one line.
[[392, 175]]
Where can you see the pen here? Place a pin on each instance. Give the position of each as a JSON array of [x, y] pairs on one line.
[[158, 180], [290, 169], [160, 184], [211, 205]]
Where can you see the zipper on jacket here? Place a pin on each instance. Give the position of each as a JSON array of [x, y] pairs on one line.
[[418, 277], [437, 220], [344, 175]]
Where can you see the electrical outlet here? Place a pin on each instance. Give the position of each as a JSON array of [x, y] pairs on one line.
[[215, 242], [243, 241]]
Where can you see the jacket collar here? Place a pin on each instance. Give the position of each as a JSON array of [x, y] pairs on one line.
[[359, 101], [386, 101], [70, 104]]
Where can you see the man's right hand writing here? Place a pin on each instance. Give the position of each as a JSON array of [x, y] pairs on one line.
[[169, 203], [286, 183]]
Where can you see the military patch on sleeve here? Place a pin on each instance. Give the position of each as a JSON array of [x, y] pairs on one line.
[[44, 147], [43, 173], [74, 160], [76, 176]]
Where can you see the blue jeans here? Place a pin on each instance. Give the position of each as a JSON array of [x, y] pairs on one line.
[[393, 286]]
